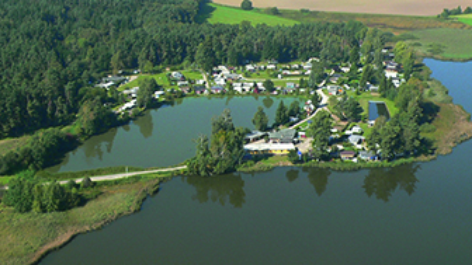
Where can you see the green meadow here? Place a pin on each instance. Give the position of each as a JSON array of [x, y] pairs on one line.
[[466, 19], [213, 14], [444, 43]]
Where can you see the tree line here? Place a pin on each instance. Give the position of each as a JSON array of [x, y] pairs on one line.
[[26, 193]]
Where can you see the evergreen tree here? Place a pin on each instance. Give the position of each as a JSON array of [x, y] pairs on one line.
[[260, 120], [269, 85], [320, 130], [281, 116], [294, 109]]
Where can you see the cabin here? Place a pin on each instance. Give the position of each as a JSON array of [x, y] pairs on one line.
[[182, 83], [199, 89], [269, 148], [254, 136], [367, 155], [217, 89], [356, 140], [158, 94], [283, 136], [177, 75], [347, 155], [334, 90], [271, 67]]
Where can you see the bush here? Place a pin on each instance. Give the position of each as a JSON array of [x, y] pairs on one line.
[[427, 128], [304, 10], [246, 5], [86, 183]]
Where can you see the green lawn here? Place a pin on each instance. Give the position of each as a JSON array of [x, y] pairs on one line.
[[230, 15], [444, 42], [466, 19], [161, 79], [365, 97]]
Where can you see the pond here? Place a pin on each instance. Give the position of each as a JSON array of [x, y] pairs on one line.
[[412, 214], [163, 137], [377, 109]]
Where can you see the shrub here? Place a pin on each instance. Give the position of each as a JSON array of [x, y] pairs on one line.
[[427, 128], [246, 5], [86, 183]]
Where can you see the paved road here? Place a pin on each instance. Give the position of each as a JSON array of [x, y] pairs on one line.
[[323, 104]]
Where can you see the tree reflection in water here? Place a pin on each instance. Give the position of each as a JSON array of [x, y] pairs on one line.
[[292, 175], [93, 147], [384, 181], [222, 189], [145, 124], [268, 102], [318, 177]]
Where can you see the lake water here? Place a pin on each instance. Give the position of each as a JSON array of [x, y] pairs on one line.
[[164, 137], [413, 214]]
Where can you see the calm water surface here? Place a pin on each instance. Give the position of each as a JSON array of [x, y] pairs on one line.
[[413, 214], [163, 137]]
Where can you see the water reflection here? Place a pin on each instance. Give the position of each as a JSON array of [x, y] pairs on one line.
[[318, 177], [292, 174], [222, 189], [268, 102], [382, 182], [145, 125], [93, 147]]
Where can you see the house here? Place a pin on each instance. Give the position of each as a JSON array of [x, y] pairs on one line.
[[347, 87], [391, 73], [182, 83], [347, 155], [106, 85], [269, 148], [220, 81], [232, 76], [239, 89], [271, 67], [334, 78], [185, 90], [373, 88], [367, 155], [356, 129], [158, 94], [217, 89], [237, 85], [290, 85], [200, 82], [356, 140], [254, 136], [308, 66], [283, 136], [114, 79], [177, 75], [249, 84], [250, 68], [295, 66], [199, 89], [345, 69], [334, 90]]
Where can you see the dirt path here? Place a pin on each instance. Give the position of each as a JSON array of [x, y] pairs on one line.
[[126, 175]]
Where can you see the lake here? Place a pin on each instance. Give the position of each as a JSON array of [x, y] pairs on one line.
[[412, 214], [164, 136]]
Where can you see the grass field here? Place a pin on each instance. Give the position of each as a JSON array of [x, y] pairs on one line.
[[444, 43], [466, 19], [213, 14], [161, 79]]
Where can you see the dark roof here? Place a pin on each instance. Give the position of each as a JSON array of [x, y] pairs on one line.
[[347, 153]]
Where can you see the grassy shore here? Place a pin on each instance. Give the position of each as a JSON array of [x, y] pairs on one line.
[[28, 237]]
